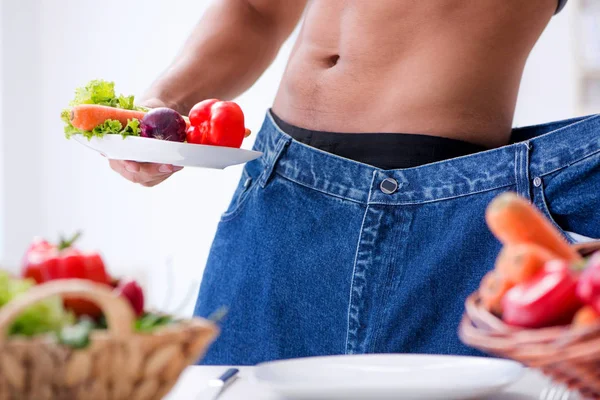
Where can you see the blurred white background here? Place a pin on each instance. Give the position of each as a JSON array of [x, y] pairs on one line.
[[49, 185]]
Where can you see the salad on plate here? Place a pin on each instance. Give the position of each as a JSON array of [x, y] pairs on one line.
[[210, 136], [97, 110]]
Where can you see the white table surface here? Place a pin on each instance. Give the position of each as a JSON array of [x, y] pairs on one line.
[[194, 379]]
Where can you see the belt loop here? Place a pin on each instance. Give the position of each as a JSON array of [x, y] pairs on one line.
[[272, 161], [522, 169]]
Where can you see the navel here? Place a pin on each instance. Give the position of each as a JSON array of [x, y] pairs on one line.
[[333, 60]]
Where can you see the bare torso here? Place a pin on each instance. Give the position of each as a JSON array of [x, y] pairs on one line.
[[449, 68]]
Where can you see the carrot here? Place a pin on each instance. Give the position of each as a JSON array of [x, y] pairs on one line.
[[513, 220], [521, 262], [88, 116], [586, 316], [493, 288]]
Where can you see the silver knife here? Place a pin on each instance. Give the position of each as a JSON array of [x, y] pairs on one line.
[[216, 386]]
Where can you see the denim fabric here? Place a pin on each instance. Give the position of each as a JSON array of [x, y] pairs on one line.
[[314, 258]]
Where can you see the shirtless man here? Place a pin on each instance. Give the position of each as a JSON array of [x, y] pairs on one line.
[[361, 228]]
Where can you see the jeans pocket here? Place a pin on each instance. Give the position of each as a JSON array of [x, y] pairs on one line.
[[540, 201], [245, 187], [544, 205]]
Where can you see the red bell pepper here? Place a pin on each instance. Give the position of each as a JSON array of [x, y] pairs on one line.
[[46, 262], [588, 287], [217, 123], [548, 299]]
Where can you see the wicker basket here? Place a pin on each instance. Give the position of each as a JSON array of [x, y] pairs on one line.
[[567, 355], [118, 364]]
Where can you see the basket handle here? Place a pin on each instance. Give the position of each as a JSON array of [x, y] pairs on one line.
[[119, 315]]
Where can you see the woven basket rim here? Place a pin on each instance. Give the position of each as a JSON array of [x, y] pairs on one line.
[[192, 324], [545, 345]]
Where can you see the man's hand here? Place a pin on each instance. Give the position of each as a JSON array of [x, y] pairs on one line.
[[146, 174]]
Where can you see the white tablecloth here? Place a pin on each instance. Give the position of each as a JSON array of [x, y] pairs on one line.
[[195, 378]]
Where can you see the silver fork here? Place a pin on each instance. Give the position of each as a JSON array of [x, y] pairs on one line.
[[558, 392]]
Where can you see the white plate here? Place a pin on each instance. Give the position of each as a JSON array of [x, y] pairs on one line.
[[387, 376], [165, 152]]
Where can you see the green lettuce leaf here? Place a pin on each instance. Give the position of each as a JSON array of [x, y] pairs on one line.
[[132, 128], [43, 317], [95, 92], [109, 126], [112, 126], [10, 287], [102, 93], [70, 130], [125, 102]]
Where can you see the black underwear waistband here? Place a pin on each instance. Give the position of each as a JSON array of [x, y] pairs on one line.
[[382, 150]]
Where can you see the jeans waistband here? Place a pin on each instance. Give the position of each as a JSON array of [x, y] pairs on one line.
[[534, 151]]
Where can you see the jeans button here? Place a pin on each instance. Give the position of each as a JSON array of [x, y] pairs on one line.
[[388, 186], [537, 181]]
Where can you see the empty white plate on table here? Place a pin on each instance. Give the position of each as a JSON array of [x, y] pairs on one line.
[[387, 376], [142, 149]]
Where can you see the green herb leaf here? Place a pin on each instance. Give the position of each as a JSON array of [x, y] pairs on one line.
[[102, 323], [150, 321], [77, 336]]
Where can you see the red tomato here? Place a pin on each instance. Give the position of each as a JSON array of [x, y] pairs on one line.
[[549, 298]]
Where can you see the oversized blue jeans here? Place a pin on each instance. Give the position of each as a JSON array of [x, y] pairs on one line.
[[321, 255]]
